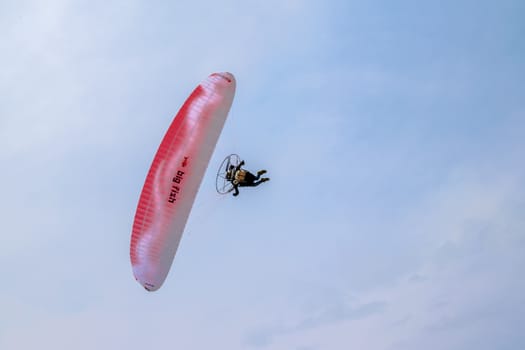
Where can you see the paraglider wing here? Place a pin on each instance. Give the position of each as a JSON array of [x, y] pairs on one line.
[[174, 178]]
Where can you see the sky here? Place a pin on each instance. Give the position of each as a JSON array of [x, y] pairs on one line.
[[392, 133]]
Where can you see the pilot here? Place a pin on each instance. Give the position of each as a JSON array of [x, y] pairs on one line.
[[243, 178]]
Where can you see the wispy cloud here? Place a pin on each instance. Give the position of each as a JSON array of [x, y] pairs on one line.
[[326, 317]]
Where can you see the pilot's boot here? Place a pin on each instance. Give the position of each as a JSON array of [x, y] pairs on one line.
[[260, 172]]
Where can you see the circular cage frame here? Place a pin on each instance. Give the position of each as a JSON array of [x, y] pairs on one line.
[[222, 184]]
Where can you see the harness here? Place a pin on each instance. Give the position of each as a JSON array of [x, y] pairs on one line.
[[239, 176]]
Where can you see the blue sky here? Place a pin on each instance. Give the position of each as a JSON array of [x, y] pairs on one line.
[[393, 134]]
